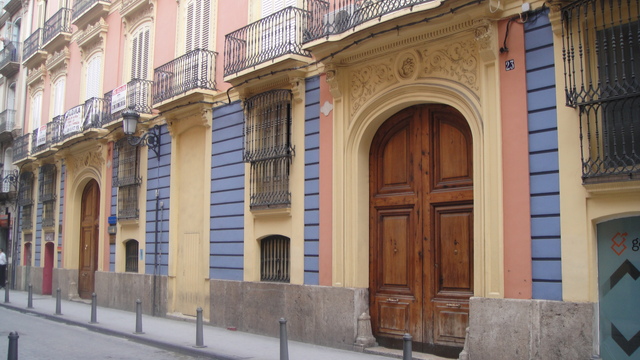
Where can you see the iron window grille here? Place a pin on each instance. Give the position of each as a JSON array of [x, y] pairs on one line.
[[131, 250], [126, 160], [25, 199], [274, 259], [268, 148], [47, 194], [601, 53]]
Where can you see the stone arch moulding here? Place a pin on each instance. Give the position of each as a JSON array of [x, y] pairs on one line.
[[351, 184]]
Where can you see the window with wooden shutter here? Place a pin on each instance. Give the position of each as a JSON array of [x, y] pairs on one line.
[[198, 25], [36, 110], [140, 53], [58, 97], [92, 84]]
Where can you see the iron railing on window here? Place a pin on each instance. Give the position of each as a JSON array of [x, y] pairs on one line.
[[194, 70], [21, 147], [27, 217], [48, 213], [10, 53], [9, 180], [44, 138], [7, 120], [128, 202], [25, 193], [601, 55], [275, 259], [59, 23], [47, 186], [342, 15], [276, 35], [138, 97], [80, 6], [270, 183], [131, 251], [32, 44]]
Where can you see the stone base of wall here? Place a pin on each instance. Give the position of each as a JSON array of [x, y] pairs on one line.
[[326, 316], [26, 275], [121, 290], [67, 281], [510, 329]]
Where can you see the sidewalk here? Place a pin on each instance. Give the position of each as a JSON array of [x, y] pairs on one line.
[[180, 336]]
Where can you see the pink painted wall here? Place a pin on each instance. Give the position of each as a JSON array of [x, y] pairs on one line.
[[165, 34], [74, 77], [515, 157], [326, 186], [232, 15], [113, 57]]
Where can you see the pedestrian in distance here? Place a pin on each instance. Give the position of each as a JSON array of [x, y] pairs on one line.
[[3, 268]]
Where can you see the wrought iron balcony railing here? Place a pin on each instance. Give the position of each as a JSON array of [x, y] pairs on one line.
[[7, 120], [21, 147], [81, 6], [194, 70], [10, 59], [92, 114], [9, 180], [138, 95], [601, 48], [32, 44], [339, 16], [276, 35], [59, 23], [45, 137]]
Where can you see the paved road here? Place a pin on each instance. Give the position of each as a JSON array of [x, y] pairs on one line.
[[42, 339]]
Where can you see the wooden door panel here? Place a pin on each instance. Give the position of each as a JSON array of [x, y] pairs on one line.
[[396, 161], [452, 152], [395, 229], [394, 317], [90, 214], [450, 323], [454, 252]]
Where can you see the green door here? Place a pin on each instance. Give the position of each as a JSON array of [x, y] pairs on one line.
[[619, 285]]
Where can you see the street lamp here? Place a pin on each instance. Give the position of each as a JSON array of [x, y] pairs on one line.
[[151, 138]]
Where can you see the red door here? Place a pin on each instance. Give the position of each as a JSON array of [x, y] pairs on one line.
[[47, 272], [421, 229], [90, 214]]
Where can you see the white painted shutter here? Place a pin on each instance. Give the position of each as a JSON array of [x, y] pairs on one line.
[[140, 54], [198, 24], [36, 110], [93, 77], [58, 97]]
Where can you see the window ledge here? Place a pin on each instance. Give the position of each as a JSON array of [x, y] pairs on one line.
[[128, 222], [283, 211], [608, 188]]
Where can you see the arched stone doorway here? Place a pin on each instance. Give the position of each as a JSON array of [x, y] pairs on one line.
[[421, 228], [89, 235]]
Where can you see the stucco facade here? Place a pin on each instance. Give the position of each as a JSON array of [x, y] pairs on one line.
[[256, 135]]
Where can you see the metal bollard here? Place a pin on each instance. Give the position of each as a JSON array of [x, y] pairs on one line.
[[406, 348], [12, 354], [284, 347], [30, 297], [6, 294], [139, 317], [94, 309], [58, 303], [199, 337]]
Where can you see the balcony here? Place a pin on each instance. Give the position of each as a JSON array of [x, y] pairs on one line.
[[44, 138], [10, 59], [83, 118], [194, 70], [136, 94], [21, 148], [129, 7], [274, 36], [57, 31], [33, 54], [86, 12], [7, 120], [12, 6]]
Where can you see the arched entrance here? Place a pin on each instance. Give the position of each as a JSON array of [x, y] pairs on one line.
[[89, 220], [47, 271], [421, 228]]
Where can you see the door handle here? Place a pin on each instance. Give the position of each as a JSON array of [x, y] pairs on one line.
[[392, 300], [454, 306]]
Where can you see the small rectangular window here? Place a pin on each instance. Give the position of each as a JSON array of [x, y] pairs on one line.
[[274, 259], [131, 250]]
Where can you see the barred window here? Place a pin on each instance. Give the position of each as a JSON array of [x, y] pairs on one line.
[[47, 195], [131, 251], [601, 45], [126, 177], [267, 147], [25, 199], [274, 259]]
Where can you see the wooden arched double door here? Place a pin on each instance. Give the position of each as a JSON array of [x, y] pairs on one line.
[[89, 224], [421, 229]]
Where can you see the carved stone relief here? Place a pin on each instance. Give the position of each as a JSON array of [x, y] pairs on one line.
[[368, 80], [457, 61], [93, 159]]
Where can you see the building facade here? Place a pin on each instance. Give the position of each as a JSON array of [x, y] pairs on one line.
[[465, 172]]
